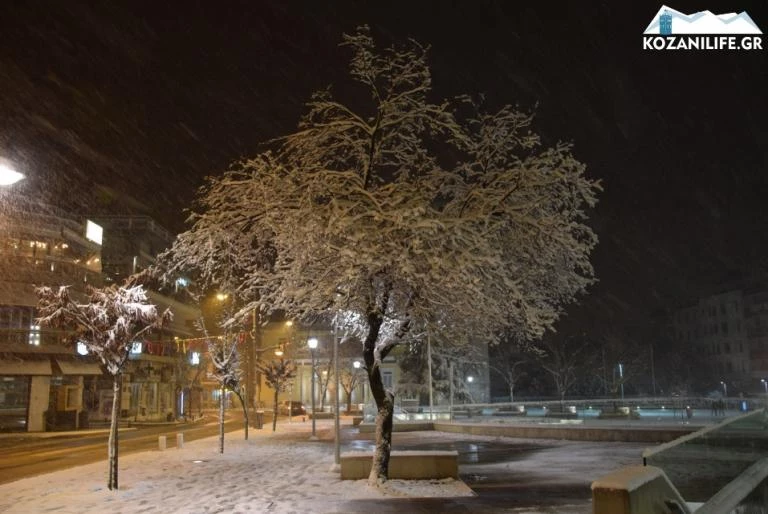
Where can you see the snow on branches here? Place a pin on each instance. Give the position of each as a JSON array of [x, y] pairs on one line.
[[405, 214], [108, 323]]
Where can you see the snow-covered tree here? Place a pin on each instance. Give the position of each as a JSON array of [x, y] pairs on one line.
[[109, 322], [396, 212], [225, 359], [279, 374]]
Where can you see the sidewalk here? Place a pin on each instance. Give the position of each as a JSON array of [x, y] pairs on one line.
[[279, 472]]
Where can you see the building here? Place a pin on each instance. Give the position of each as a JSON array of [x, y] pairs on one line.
[[731, 329], [46, 384], [42, 380]]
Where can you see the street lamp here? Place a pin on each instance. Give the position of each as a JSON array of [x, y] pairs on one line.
[[9, 176], [765, 385], [725, 389], [357, 365], [621, 380], [312, 343]]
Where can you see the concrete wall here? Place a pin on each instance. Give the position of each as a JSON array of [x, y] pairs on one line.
[[636, 490], [571, 433], [38, 403], [409, 465]]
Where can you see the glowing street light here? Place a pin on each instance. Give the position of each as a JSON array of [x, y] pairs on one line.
[[725, 389], [312, 343], [765, 385], [9, 176]]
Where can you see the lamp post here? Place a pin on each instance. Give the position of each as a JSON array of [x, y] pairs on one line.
[[356, 364], [725, 389], [312, 343], [336, 418], [621, 380], [765, 385], [9, 176]]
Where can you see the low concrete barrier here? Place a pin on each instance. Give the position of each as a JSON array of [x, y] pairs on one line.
[[569, 432], [403, 426], [636, 490], [409, 465]]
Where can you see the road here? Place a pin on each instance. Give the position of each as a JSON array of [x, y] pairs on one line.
[[24, 455]]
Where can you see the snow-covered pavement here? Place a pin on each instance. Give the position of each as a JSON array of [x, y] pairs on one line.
[[280, 472]]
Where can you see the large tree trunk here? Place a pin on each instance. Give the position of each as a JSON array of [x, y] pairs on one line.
[[112, 444], [222, 398], [385, 407]]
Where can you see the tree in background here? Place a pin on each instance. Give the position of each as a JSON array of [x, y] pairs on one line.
[[398, 216], [110, 321], [279, 374], [507, 361], [350, 377], [566, 359]]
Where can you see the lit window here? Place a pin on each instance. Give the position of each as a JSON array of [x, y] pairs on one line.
[[93, 232], [34, 335], [136, 348], [81, 348], [195, 358]]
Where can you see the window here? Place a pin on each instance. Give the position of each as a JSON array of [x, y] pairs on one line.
[[386, 378]]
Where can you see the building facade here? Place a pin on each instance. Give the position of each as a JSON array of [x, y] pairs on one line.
[[45, 383], [731, 329]]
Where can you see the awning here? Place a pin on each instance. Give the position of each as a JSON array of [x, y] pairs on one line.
[[78, 368], [16, 367]]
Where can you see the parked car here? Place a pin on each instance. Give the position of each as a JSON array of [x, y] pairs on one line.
[[293, 407]]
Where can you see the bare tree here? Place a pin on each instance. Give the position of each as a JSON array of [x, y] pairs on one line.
[[565, 359], [110, 321], [507, 362], [279, 374], [399, 216], [350, 376]]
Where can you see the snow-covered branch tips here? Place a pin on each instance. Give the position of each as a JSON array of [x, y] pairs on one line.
[[107, 322]]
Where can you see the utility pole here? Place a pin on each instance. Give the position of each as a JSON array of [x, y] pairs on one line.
[[653, 373], [450, 386], [336, 419], [429, 372]]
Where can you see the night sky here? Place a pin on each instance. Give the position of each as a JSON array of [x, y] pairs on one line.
[[146, 98]]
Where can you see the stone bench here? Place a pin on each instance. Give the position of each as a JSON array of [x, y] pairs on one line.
[[408, 465]]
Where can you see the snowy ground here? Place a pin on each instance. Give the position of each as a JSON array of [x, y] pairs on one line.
[[278, 473]]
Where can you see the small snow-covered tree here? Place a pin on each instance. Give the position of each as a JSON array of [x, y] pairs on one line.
[[278, 374], [399, 213], [225, 359], [109, 322]]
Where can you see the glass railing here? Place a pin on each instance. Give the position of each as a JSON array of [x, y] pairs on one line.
[[705, 462]]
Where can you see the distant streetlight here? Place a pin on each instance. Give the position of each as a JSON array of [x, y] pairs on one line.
[[9, 176], [765, 385], [221, 296], [725, 389], [312, 343], [621, 380]]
